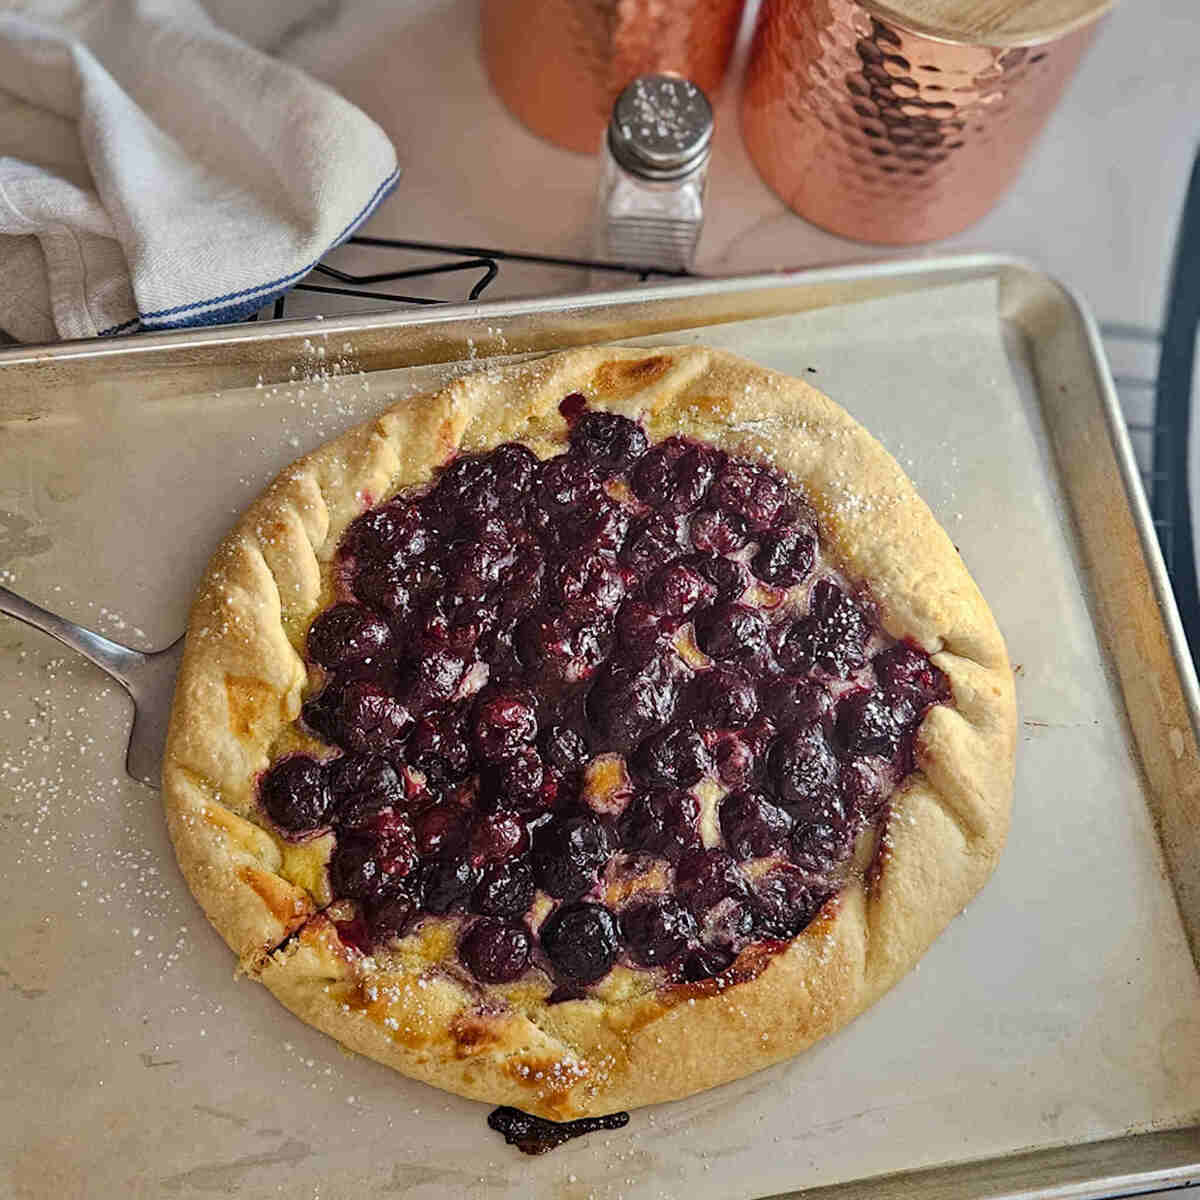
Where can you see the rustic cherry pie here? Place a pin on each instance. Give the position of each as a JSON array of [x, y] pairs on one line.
[[590, 732]]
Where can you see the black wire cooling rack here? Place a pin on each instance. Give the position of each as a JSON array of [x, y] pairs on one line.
[[484, 262], [1155, 394]]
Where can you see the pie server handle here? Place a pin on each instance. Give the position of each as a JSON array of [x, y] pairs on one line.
[[117, 660]]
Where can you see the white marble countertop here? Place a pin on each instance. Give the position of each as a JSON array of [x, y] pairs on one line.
[[1096, 205]]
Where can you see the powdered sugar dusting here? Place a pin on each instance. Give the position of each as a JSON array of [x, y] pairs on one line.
[[75, 815]]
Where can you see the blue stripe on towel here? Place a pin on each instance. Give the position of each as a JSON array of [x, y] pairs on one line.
[[248, 300]]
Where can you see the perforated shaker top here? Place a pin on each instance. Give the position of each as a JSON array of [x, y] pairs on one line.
[[661, 127]]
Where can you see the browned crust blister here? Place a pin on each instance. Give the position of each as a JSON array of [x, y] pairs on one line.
[[242, 678]]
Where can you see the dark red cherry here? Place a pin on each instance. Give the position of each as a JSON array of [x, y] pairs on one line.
[[477, 567], [653, 541], [321, 713], [441, 830], [601, 524], [515, 781], [564, 748], [581, 941], [365, 775], [447, 883], [676, 589], [365, 869], [391, 830], [572, 406], [717, 895], [704, 962], [566, 483], [523, 584], [902, 670], [561, 648], [719, 532], [731, 631], [464, 493], [506, 889], [804, 771], [369, 719], [556, 792], [832, 637], [760, 734], [664, 822], [656, 931], [495, 951], [355, 933], [786, 558], [393, 918], [515, 472], [393, 532], [504, 721], [626, 705], [457, 625], [589, 581], [347, 634], [568, 855], [756, 495], [363, 786], [675, 474], [820, 847], [438, 746], [296, 794], [863, 787], [866, 725], [498, 836], [723, 698], [434, 678], [677, 757], [730, 577], [752, 825], [642, 631], [791, 701], [738, 762], [421, 580], [609, 441], [385, 585], [784, 903], [906, 710]]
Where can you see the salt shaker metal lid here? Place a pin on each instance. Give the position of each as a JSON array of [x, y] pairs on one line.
[[661, 127]]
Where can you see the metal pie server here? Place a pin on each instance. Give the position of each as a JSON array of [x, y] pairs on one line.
[[149, 678]]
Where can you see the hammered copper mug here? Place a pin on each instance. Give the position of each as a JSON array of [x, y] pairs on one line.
[[904, 121], [559, 64]]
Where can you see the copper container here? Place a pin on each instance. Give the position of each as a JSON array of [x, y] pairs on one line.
[[559, 64], [877, 132]]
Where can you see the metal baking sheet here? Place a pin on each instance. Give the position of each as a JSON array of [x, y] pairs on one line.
[[1049, 1043]]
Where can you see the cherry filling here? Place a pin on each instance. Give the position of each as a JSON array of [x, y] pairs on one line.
[[613, 707]]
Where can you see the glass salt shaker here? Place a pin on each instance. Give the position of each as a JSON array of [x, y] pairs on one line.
[[651, 201]]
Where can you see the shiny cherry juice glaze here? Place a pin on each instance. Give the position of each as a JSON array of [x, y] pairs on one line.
[[616, 706]]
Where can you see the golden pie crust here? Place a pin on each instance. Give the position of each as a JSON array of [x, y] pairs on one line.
[[636, 1039]]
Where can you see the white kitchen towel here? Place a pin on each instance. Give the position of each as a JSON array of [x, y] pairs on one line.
[[157, 172]]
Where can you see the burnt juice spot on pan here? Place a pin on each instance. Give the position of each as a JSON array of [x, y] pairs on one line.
[[535, 1135]]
